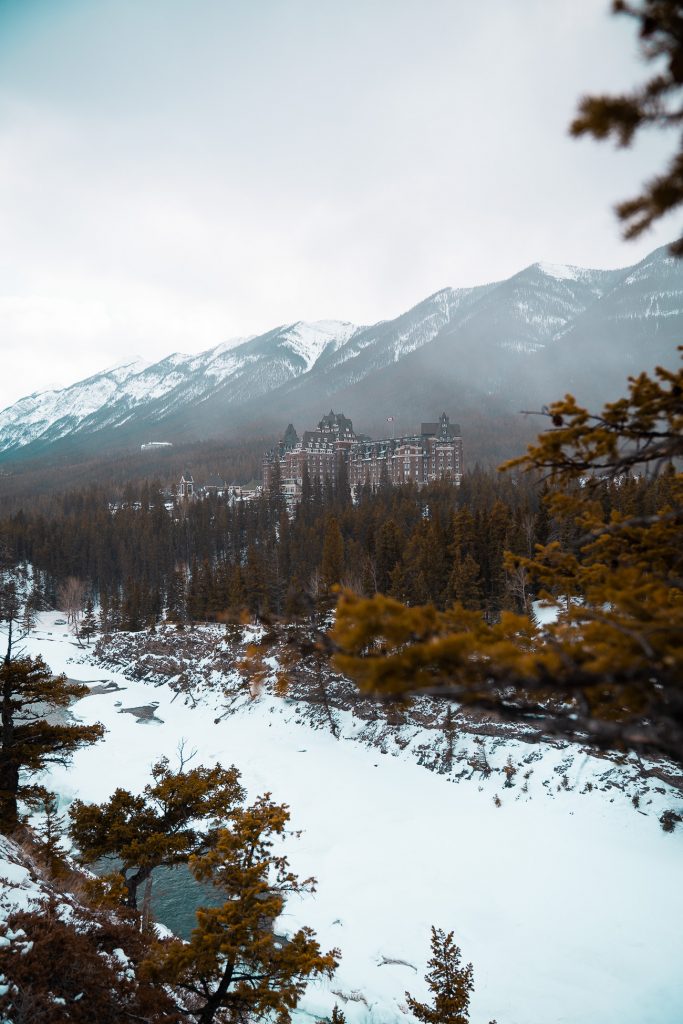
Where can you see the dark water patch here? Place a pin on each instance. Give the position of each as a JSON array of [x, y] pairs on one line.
[[145, 714], [104, 686], [175, 895]]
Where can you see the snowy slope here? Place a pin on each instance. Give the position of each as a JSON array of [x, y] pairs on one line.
[[546, 329], [243, 370], [565, 897], [60, 411]]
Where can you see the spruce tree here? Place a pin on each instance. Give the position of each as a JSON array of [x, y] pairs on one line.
[[88, 624], [235, 967], [28, 742], [332, 565], [450, 983], [177, 815]]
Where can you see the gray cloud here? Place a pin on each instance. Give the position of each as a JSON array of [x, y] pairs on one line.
[[174, 174]]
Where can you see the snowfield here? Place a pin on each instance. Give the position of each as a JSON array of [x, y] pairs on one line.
[[565, 897]]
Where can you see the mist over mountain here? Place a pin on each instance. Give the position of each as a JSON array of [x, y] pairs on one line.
[[482, 354]]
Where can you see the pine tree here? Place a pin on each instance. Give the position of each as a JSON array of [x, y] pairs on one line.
[[176, 604], [465, 582], [177, 815], [50, 830], [79, 967], [29, 693], [332, 565], [656, 102], [13, 580], [450, 983], [607, 671], [238, 592], [235, 968], [255, 583], [88, 624]]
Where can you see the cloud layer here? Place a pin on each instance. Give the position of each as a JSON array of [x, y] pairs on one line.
[[173, 174]]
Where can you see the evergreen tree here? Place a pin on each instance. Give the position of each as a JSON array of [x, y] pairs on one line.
[[238, 591], [29, 693], [13, 580], [235, 968], [255, 584], [49, 831], [88, 624], [178, 815], [465, 582], [79, 967], [332, 565], [607, 671], [656, 102], [176, 603], [388, 547], [450, 983]]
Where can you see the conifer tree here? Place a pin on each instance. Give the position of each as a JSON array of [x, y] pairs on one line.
[[450, 983], [177, 815], [13, 581], [176, 605], [88, 624], [656, 102], [608, 670], [78, 966], [332, 565], [238, 592], [235, 967], [255, 583], [28, 742], [49, 831], [465, 582]]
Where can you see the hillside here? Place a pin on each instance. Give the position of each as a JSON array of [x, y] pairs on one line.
[[556, 862], [481, 353]]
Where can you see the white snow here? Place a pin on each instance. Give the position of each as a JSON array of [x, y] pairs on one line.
[[561, 272], [309, 340], [568, 903], [19, 889]]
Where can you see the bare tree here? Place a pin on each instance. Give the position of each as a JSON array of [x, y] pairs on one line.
[[70, 599]]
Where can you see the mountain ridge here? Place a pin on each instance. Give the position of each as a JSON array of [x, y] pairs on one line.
[[487, 348]]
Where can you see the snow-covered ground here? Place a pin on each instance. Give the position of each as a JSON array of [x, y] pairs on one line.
[[567, 901]]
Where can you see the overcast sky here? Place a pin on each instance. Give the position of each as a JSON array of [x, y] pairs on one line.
[[175, 173]]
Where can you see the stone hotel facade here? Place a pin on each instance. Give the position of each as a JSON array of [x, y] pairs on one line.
[[433, 454]]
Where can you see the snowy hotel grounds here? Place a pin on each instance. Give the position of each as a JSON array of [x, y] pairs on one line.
[[568, 902]]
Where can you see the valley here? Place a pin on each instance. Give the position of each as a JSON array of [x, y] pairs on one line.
[[397, 845]]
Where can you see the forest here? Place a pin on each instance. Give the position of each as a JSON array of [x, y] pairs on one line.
[[142, 559]]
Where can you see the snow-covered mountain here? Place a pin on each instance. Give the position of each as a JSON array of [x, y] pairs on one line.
[[489, 349], [242, 370]]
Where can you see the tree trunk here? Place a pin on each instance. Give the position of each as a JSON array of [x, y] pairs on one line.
[[133, 883], [9, 767], [9, 787], [214, 1001]]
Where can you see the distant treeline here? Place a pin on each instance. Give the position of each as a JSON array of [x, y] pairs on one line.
[[33, 475], [33, 480], [207, 560]]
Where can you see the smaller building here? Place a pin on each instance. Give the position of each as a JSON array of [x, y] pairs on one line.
[[214, 485], [186, 487], [189, 490]]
